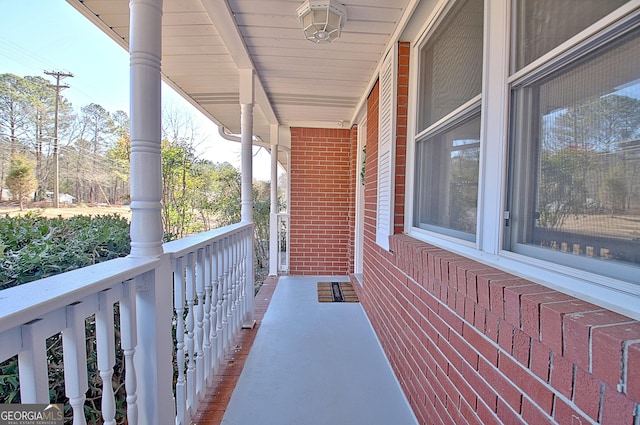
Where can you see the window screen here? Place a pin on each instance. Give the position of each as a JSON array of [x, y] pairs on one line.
[[448, 146], [575, 163], [451, 63], [541, 25]]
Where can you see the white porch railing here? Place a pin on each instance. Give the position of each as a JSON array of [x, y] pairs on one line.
[[283, 242], [212, 297]]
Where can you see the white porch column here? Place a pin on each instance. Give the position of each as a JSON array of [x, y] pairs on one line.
[[153, 356], [146, 128], [153, 300], [246, 171], [246, 139], [273, 217]]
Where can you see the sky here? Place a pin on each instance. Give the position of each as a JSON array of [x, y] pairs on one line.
[[50, 35]]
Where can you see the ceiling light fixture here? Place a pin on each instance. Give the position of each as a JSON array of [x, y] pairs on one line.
[[322, 20]]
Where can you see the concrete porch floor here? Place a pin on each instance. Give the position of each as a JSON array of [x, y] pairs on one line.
[[313, 363]]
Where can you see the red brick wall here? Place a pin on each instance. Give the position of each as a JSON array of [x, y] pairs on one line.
[[321, 179], [401, 135], [472, 344]]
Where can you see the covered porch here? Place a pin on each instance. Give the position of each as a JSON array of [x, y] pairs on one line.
[[305, 362], [477, 329], [196, 346], [168, 314]]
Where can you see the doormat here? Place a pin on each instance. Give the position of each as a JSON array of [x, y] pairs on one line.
[[336, 292]]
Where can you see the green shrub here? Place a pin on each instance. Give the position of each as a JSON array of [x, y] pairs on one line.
[[33, 247]]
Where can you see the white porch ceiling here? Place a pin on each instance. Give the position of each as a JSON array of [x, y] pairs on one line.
[[299, 83]]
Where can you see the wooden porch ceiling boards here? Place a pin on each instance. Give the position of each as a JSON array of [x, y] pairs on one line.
[[299, 83]]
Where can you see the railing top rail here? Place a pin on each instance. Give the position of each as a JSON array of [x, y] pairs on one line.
[[24, 303], [183, 246]]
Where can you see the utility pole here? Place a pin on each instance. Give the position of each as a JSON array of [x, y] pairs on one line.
[[56, 188]]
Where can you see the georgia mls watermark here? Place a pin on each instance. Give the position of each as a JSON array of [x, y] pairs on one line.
[[31, 414]]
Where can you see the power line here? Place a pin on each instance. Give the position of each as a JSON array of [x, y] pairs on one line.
[[59, 76], [23, 56]]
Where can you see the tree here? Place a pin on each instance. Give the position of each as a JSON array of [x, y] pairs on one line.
[[20, 179], [181, 190], [224, 194], [121, 123], [615, 190], [99, 128], [261, 219], [42, 128], [27, 109], [119, 154], [178, 127], [77, 167], [463, 188], [561, 189], [14, 116], [14, 109], [588, 158], [598, 124]]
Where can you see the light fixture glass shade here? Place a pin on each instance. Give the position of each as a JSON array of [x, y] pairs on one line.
[[322, 20]]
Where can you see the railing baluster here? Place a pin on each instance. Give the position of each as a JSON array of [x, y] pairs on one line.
[[283, 242], [199, 313], [128, 342], [244, 249], [220, 301], [105, 344], [239, 280], [231, 293], [75, 361], [234, 287], [243, 274], [229, 296], [32, 365], [208, 367], [191, 355], [179, 302], [234, 307], [239, 295], [247, 277], [226, 294], [214, 307]]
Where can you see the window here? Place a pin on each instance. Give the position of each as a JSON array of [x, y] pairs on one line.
[[448, 140], [574, 193], [541, 25], [448, 203]]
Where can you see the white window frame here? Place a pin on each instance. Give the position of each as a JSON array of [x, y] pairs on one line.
[[469, 109], [358, 254], [609, 292], [437, 16], [620, 296]]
